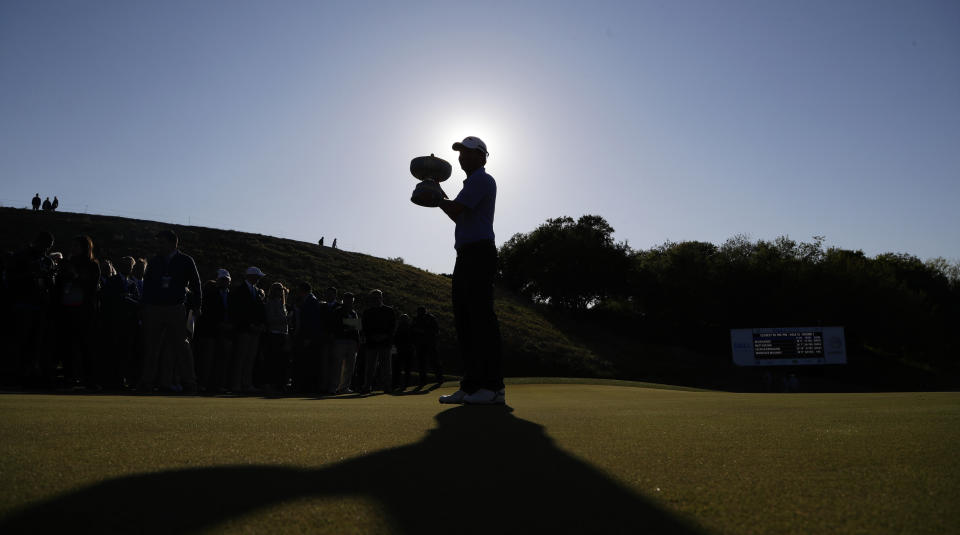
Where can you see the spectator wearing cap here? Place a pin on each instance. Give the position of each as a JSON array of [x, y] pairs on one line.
[[478, 330], [214, 334], [165, 304], [247, 313]]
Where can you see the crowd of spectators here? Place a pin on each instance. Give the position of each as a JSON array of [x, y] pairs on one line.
[[79, 322]]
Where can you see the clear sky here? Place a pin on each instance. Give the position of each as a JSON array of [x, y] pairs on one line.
[[674, 120]]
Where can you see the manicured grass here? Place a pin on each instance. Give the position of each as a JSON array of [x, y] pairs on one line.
[[568, 457]]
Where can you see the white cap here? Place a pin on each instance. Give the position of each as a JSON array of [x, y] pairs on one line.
[[255, 271], [223, 274], [471, 142]]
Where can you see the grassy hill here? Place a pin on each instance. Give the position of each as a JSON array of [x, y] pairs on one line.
[[533, 345]]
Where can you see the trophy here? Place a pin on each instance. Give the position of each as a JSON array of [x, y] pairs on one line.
[[430, 171]]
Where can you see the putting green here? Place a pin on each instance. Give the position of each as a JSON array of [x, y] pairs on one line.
[[568, 457]]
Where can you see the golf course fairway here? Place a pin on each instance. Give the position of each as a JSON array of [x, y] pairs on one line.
[[586, 458]]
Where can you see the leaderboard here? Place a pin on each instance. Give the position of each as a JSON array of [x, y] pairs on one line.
[[788, 345]]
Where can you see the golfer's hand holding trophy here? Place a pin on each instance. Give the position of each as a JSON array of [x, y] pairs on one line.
[[430, 171]]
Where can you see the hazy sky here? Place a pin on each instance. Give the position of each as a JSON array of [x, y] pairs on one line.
[[674, 120]]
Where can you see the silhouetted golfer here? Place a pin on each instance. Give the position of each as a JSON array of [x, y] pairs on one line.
[[478, 331]]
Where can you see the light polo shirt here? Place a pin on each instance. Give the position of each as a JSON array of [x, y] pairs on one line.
[[479, 196]]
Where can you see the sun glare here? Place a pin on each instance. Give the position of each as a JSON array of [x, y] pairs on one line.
[[498, 136]]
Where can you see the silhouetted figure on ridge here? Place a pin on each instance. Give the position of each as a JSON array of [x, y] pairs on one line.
[[55, 204], [46, 205], [334, 245], [36, 202], [321, 241]]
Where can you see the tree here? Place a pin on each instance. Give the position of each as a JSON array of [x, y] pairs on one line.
[[566, 263]]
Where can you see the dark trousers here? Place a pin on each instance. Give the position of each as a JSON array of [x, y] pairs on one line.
[[427, 356], [478, 331]]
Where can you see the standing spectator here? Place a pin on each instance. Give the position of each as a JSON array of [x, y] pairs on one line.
[[425, 331], [36, 202], [248, 315], [276, 354], [78, 284], [129, 323], [165, 306], [379, 322], [321, 241], [118, 304], [215, 334], [30, 278], [55, 204], [346, 344], [46, 205], [138, 271], [307, 340], [330, 367], [403, 341], [334, 245]]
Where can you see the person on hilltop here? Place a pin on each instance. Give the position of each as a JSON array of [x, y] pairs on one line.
[[55, 204], [36, 202], [478, 330], [46, 205], [321, 241], [379, 323], [249, 317], [166, 350]]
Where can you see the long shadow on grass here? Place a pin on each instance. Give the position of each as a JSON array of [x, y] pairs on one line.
[[481, 470]]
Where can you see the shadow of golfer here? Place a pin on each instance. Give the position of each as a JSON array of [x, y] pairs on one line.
[[481, 470]]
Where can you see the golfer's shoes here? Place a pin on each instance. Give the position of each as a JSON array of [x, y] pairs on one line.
[[453, 399], [486, 397]]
